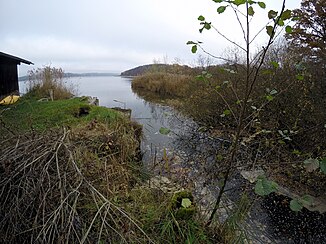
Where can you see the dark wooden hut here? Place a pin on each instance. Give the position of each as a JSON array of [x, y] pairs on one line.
[[9, 74]]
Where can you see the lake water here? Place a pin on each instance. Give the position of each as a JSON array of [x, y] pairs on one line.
[[268, 224], [115, 91]]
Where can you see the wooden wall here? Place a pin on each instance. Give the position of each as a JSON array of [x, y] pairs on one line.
[[8, 78]]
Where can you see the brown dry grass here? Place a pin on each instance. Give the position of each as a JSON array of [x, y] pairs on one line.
[[164, 84], [61, 187]]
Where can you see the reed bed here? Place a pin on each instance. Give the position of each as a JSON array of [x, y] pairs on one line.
[[163, 84]]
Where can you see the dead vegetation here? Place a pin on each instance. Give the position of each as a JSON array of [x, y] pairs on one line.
[[62, 186], [164, 84], [48, 82]]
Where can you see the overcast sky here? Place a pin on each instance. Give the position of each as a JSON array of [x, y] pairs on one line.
[[114, 35]]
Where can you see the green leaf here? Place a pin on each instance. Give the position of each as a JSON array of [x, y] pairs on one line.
[[251, 11], [239, 2], [311, 164], [218, 1], [300, 77], [322, 165], [269, 98], [262, 5], [270, 30], [194, 49], [200, 78], [227, 112], [275, 64], [267, 72], [296, 205], [306, 200], [191, 43], [286, 14], [164, 131], [186, 203], [201, 18], [221, 9], [272, 14], [219, 157], [288, 29], [264, 187], [296, 152], [207, 26], [280, 22]]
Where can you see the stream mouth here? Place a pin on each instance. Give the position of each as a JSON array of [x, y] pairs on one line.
[[270, 220]]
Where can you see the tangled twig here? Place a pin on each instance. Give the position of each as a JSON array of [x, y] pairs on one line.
[[50, 192]]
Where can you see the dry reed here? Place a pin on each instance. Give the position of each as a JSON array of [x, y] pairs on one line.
[[164, 84]]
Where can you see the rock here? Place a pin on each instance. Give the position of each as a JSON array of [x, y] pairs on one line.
[[164, 184], [94, 101], [91, 100], [126, 112], [252, 176]]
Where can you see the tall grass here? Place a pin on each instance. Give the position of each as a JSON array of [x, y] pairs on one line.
[[48, 82]]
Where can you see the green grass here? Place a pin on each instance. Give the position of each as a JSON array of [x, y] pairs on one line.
[[152, 208], [29, 114]]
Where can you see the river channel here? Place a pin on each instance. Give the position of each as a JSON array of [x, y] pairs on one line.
[[185, 144]]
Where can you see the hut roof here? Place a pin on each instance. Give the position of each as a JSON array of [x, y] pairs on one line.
[[17, 60]]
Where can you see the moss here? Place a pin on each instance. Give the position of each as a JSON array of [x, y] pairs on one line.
[[180, 211]]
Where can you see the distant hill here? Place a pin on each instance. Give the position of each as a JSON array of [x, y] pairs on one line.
[[69, 75], [143, 69], [172, 68]]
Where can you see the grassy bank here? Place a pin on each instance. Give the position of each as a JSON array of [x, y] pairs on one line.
[[30, 114], [71, 173]]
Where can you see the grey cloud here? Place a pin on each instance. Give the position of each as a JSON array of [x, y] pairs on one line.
[[106, 33]]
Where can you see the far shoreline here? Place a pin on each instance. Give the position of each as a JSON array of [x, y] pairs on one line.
[[72, 75]]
